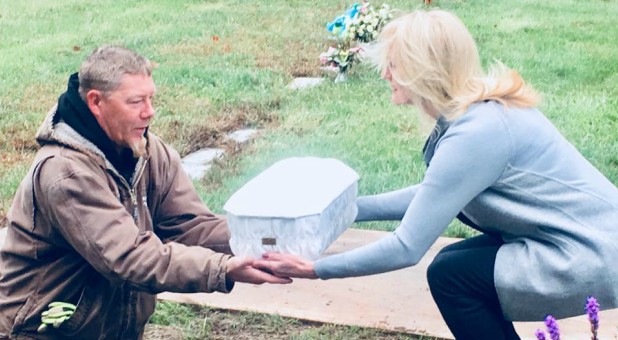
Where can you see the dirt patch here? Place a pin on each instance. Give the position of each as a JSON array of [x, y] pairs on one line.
[[159, 332], [213, 130], [203, 136], [21, 140], [206, 323], [4, 221], [11, 159], [297, 58]]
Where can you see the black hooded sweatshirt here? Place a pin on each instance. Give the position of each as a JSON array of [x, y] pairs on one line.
[[73, 111]]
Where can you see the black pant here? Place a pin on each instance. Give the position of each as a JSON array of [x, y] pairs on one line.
[[461, 280]]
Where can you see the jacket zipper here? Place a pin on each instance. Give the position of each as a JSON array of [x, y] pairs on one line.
[[133, 187], [130, 299], [128, 294], [134, 203]]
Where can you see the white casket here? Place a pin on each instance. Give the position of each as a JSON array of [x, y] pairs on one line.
[[298, 205]]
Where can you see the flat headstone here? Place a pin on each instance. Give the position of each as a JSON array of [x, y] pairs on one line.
[[2, 236], [398, 300], [196, 171], [203, 156], [242, 136], [198, 163], [332, 70], [304, 83]]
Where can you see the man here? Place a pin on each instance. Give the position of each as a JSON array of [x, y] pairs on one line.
[[106, 217]]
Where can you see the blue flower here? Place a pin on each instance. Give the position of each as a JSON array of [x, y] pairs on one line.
[[352, 11], [338, 26]]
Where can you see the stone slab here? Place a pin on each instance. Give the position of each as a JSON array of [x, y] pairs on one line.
[[242, 136], [196, 171], [304, 83], [198, 163], [2, 236], [203, 156], [398, 300]]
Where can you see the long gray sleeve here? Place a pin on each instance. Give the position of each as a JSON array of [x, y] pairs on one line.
[[468, 159], [388, 206]]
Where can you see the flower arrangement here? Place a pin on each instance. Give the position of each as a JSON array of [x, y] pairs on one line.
[[592, 310], [359, 24], [339, 58]]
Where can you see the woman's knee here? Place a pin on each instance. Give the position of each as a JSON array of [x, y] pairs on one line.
[[438, 270]]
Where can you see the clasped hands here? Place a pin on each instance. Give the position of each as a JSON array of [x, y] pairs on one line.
[[272, 268]]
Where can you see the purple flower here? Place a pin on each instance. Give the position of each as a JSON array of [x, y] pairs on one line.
[[540, 335], [552, 327], [592, 309]]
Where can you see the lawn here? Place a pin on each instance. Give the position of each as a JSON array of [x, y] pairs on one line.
[[225, 64]]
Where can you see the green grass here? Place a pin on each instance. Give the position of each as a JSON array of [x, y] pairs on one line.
[[196, 322], [225, 64]]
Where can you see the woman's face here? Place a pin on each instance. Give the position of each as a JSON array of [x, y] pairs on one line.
[[399, 96]]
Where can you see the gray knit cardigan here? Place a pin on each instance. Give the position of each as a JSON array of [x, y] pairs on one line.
[[512, 173]]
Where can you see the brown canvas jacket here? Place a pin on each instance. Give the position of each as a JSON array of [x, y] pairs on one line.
[[79, 233]]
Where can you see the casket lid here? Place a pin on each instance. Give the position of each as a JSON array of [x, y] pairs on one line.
[[293, 187]]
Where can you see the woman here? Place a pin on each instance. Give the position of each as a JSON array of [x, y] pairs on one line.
[[548, 218]]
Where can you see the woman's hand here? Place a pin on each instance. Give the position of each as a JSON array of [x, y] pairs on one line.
[[287, 265], [244, 269]]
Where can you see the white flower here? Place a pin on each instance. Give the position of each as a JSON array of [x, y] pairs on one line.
[[363, 28]]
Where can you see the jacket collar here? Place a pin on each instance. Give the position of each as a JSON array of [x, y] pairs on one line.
[[54, 130]]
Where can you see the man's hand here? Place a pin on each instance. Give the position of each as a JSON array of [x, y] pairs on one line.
[[287, 265], [242, 269], [57, 313]]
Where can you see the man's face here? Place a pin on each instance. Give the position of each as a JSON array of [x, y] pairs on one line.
[[126, 112]]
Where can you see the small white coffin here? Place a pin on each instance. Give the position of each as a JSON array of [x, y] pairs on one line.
[[298, 205]]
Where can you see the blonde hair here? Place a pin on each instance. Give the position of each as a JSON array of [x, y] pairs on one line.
[[434, 58]]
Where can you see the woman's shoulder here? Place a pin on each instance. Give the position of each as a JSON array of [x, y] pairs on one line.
[[492, 117], [481, 119]]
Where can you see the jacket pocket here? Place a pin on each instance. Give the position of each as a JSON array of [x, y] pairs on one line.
[[95, 307]]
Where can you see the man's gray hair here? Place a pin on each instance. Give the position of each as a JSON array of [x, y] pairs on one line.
[[104, 67]]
